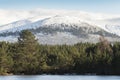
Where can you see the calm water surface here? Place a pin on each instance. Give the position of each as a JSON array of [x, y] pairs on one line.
[[59, 77]]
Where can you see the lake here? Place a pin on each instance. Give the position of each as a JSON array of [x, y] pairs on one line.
[[59, 77]]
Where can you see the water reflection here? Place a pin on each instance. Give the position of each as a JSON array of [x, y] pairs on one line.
[[59, 77]]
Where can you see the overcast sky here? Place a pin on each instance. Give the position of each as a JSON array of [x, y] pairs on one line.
[[102, 6]]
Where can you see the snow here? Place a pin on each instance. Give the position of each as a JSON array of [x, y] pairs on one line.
[[9, 38], [115, 29], [46, 21], [32, 19]]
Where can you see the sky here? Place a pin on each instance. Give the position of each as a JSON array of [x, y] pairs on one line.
[[104, 6]]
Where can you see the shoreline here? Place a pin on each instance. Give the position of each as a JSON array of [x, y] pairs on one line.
[[66, 74]]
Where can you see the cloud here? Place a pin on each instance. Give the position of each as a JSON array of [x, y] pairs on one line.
[[8, 16]]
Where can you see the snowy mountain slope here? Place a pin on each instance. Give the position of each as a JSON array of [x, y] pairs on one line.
[[14, 25], [64, 27], [36, 22], [110, 25], [53, 22], [57, 30]]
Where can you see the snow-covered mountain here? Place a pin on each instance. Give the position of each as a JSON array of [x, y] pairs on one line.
[[62, 26]]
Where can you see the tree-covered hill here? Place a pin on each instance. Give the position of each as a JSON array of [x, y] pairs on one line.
[[27, 56]]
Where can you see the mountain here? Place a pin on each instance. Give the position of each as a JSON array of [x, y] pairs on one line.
[[64, 27]]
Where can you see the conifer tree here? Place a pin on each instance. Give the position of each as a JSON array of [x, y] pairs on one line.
[[5, 59], [27, 52]]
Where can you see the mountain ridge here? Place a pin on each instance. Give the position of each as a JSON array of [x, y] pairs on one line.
[[63, 27]]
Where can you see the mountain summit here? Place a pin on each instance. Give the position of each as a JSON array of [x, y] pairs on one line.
[[63, 27]]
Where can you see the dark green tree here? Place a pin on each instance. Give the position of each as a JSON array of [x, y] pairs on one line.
[[27, 50], [6, 61]]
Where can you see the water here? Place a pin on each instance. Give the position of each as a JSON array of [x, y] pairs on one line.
[[59, 77]]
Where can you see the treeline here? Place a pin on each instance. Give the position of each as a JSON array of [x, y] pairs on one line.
[[27, 56]]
